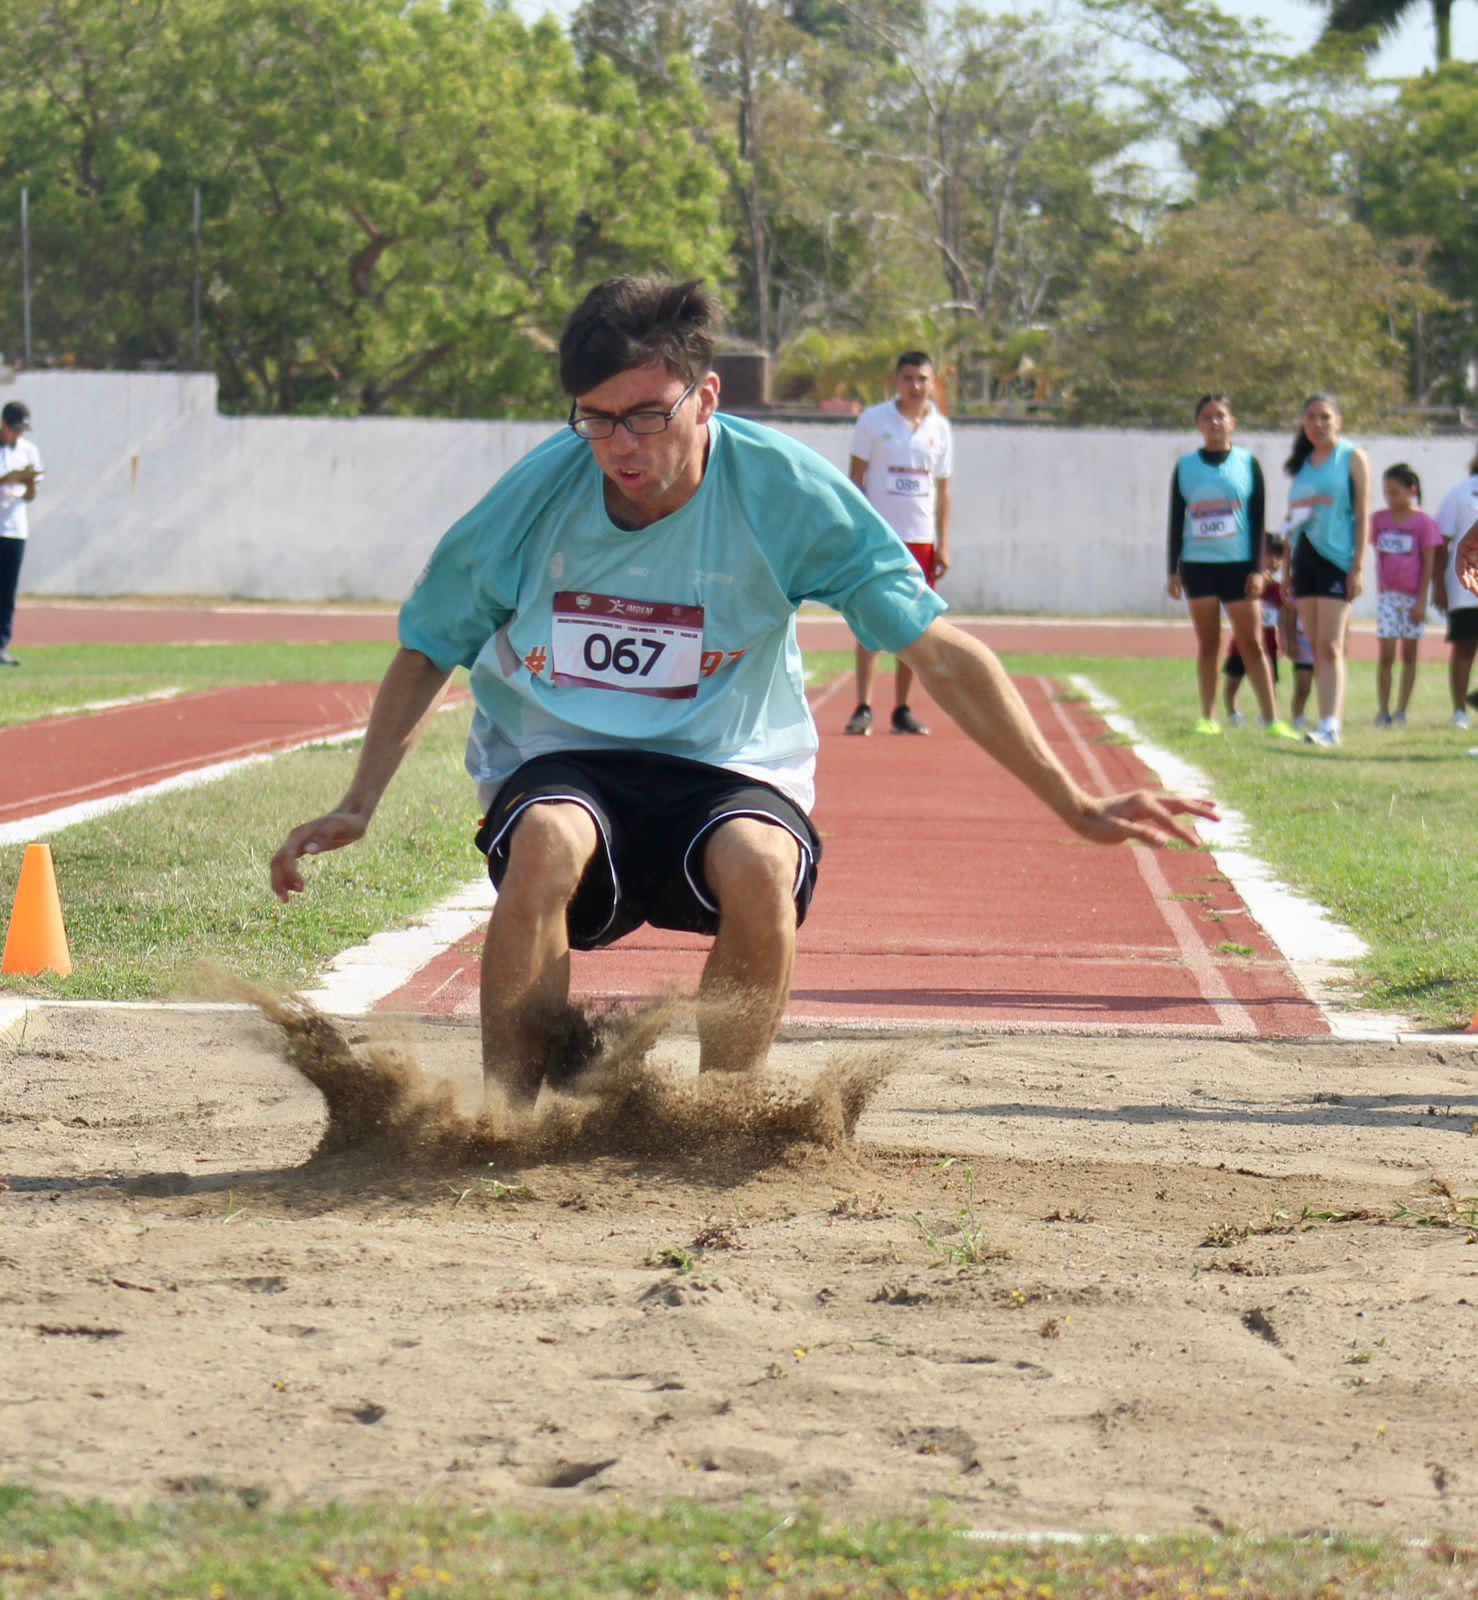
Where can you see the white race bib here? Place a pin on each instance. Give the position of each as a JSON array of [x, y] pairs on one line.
[[910, 481], [1214, 519], [635, 646], [1393, 542]]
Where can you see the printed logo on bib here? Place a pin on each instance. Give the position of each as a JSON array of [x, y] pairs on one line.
[[633, 646], [911, 481], [1213, 519], [1393, 542]]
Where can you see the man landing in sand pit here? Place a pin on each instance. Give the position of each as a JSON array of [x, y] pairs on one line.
[[625, 600]]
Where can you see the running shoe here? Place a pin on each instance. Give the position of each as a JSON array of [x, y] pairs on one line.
[[1208, 725], [1235, 719], [860, 721], [1383, 719], [1459, 719], [904, 721], [1398, 719], [1278, 730], [1300, 724], [8, 660], [1325, 738]]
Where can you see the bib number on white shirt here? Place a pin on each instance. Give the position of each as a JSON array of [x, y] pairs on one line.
[[1214, 521], [602, 641], [910, 481]]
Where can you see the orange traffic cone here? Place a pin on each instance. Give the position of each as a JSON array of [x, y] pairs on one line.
[[37, 940]]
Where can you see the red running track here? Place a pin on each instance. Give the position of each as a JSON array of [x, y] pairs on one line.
[[39, 624], [67, 761], [950, 897]]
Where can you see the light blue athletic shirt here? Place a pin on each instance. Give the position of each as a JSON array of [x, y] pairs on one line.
[[1217, 527], [1321, 505], [772, 525]]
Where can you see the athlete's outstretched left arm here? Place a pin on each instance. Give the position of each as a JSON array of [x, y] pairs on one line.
[[971, 685]]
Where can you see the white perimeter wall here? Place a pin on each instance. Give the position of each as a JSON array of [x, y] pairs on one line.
[[150, 491]]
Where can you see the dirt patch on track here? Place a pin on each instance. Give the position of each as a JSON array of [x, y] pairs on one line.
[[1075, 1283]]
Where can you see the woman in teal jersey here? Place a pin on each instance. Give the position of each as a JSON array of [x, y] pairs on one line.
[[1329, 528], [1216, 557]]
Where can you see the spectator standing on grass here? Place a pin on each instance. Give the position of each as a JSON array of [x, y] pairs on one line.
[[902, 456], [1328, 527], [1454, 518], [1216, 558], [624, 598], [1234, 669], [1406, 543], [20, 472]]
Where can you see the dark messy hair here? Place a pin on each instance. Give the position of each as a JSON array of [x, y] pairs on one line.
[[1407, 476], [1212, 400], [913, 358], [631, 322], [1275, 545], [1302, 448]]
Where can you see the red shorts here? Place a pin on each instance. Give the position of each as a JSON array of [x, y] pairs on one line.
[[925, 555]]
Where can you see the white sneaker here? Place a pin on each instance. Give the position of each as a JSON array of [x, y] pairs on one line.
[[1325, 738], [1459, 719], [1234, 719]]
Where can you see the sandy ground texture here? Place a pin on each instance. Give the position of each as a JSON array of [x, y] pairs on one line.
[[1054, 1283]]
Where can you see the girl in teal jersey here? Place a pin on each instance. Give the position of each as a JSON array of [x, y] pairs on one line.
[[1216, 557], [1329, 529]]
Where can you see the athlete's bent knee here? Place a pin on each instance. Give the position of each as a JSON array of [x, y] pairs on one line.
[[550, 848]]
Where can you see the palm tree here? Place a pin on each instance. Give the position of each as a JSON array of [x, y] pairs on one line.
[[1383, 17]]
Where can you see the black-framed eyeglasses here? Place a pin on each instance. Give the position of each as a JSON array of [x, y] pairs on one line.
[[638, 422]]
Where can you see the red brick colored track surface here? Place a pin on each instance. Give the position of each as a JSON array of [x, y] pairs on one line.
[[40, 624], [67, 761], [950, 897]]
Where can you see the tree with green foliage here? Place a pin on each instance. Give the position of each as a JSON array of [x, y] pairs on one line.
[[1263, 305], [402, 200]]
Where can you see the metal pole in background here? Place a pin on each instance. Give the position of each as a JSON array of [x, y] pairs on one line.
[[195, 303], [26, 269]]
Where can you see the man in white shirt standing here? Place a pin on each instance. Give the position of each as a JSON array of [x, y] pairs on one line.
[[20, 470], [902, 458]]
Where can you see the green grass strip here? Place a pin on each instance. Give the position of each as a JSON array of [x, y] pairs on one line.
[[222, 1548], [1377, 831], [151, 891]]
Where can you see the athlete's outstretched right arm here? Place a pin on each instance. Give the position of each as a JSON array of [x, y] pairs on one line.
[[408, 693]]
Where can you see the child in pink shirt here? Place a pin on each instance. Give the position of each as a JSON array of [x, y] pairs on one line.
[[1406, 542]]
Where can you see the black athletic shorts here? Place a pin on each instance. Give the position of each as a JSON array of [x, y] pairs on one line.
[[1462, 625], [653, 813], [1221, 580], [1315, 577]]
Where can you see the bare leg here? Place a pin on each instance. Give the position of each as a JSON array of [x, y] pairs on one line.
[[1325, 623], [1383, 676], [1229, 687], [867, 666], [902, 683], [1460, 671], [1206, 619], [526, 960], [1246, 620], [1303, 681], [751, 867], [1409, 650]]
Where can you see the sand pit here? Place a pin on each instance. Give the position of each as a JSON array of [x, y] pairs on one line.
[[1161, 1285]]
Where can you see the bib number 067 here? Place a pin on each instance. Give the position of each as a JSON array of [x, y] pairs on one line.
[[604, 654]]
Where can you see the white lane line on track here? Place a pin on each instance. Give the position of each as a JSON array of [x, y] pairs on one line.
[[44, 823], [89, 706], [1316, 947], [1230, 1012]]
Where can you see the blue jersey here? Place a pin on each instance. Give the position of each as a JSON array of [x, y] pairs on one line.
[[677, 638], [1321, 506], [1217, 496]]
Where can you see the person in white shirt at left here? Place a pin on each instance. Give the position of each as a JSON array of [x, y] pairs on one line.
[[20, 471]]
